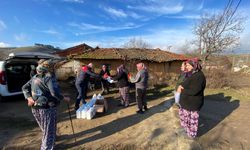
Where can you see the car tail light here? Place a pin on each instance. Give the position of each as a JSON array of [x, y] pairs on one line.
[[2, 78]]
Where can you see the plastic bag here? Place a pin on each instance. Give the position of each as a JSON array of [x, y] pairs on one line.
[[177, 97]]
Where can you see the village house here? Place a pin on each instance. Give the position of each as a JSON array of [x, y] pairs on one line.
[[163, 66]]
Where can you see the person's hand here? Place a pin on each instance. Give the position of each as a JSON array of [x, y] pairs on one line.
[[66, 98], [31, 102], [129, 76], [180, 88], [105, 76]]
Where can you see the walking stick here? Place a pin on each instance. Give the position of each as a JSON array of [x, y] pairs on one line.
[[71, 122]]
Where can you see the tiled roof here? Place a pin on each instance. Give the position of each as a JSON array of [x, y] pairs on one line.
[[76, 50], [156, 55]]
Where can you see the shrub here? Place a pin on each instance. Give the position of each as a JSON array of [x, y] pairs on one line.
[[218, 78]]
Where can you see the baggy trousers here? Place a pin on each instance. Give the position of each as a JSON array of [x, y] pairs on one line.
[[141, 98], [124, 93], [46, 119], [82, 90], [105, 87], [189, 121]]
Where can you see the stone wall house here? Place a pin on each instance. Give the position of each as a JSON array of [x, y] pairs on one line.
[[67, 69], [163, 66]]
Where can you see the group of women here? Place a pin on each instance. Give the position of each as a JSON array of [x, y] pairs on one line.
[[43, 94], [122, 79]]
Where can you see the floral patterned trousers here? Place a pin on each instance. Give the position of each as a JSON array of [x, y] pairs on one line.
[[46, 119], [189, 121]]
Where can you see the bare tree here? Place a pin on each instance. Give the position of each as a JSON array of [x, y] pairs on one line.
[[185, 48], [219, 31], [188, 48], [137, 43]]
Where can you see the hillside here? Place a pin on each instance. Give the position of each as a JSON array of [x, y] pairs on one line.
[[4, 52]]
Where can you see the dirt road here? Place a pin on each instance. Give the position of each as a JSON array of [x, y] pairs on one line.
[[224, 124]]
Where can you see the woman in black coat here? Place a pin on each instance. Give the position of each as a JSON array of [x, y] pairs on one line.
[[122, 82], [104, 82], [192, 97]]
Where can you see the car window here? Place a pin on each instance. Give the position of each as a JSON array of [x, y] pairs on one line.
[[15, 69], [18, 69]]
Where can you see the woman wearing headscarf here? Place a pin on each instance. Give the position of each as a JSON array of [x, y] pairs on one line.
[[82, 82], [141, 84], [181, 79], [122, 82], [192, 97], [33, 68], [43, 96], [105, 85]]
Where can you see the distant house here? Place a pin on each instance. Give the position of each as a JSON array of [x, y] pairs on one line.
[[163, 66], [218, 62], [72, 51]]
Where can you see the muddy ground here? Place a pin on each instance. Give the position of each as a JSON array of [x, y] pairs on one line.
[[224, 124]]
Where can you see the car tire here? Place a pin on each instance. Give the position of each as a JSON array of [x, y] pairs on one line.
[[1, 98]]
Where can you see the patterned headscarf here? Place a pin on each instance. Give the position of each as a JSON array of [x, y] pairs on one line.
[[142, 66], [194, 62], [42, 69], [41, 61], [121, 69], [49, 64]]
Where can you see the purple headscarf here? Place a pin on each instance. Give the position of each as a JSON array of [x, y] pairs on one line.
[[121, 69], [194, 62]]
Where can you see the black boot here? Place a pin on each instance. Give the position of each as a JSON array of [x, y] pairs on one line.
[[120, 105], [139, 111], [145, 108]]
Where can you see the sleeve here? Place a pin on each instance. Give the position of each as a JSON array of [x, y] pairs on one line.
[[92, 74], [108, 72], [54, 90], [117, 77], [194, 88], [136, 79], [101, 73], [27, 89], [80, 77]]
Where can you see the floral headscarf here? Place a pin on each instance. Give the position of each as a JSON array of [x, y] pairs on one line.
[[194, 62], [42, 69], [121, 69]]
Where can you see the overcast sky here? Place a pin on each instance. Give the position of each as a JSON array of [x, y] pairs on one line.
[[106, 23]]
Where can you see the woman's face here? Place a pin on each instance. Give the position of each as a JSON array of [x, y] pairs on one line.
[[183, 66], [104, 68], [189, 67]]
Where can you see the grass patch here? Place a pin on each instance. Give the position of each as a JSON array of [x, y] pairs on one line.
[[159, 92], [240, 94]]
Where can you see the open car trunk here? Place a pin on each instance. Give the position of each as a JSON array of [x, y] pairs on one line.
[[18, 73], [19, 65]]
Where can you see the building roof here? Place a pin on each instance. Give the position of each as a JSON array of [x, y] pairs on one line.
[[156, 55], [76, 50]]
